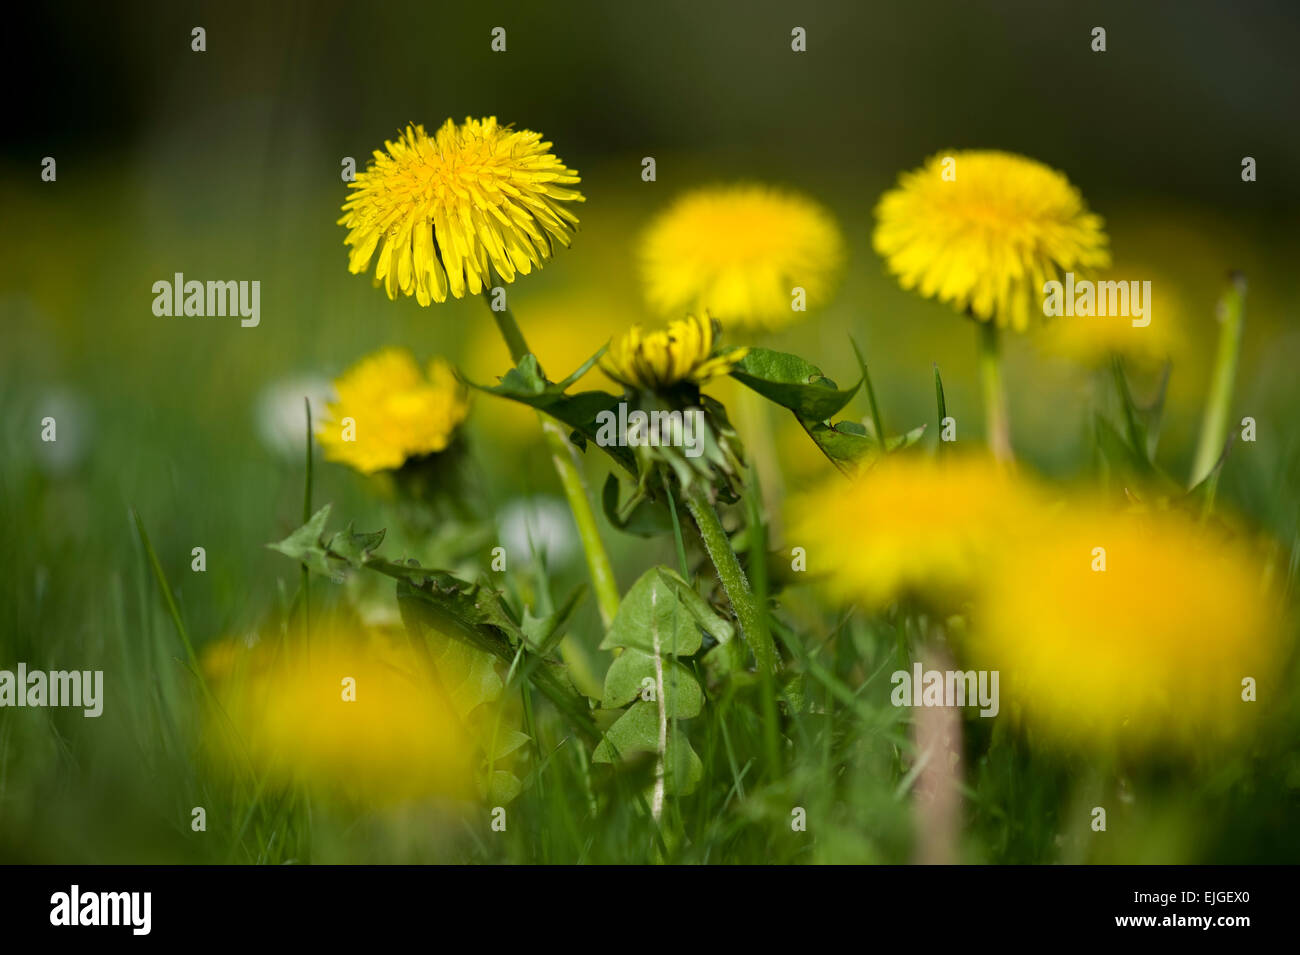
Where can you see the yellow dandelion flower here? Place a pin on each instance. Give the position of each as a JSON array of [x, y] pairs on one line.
[[1093, 339], [453, 206], [360, 716], [738, 252], [659, 360], [988, 235], [910, 526], [1154, 647], [396, 413]]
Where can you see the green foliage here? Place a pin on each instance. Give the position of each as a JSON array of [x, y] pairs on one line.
[[473, 685], [637, 731], [527, 385], [940, 401], [661, 620], [792, 383], [433, 601], [640, 514], [626, 680], [544, 632], [814, 399], [304, 545], [663, 607]]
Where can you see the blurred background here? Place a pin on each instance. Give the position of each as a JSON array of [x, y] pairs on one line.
[[226, 165]]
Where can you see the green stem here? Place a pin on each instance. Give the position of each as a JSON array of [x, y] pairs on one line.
[[1214, 426], [509, 330], [997, 426], [575, 489], [733, 578]]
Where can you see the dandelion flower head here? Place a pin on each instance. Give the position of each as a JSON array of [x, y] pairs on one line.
[[1112, 627], [445, 211], [738, 252], [396, 411], [983, 230]]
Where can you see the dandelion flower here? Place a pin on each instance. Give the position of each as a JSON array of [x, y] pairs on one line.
[[738, 252], [1154, 647], [360, 716], [660, 360], [396, 412], [986, 238], [910, 526], [452, 207]]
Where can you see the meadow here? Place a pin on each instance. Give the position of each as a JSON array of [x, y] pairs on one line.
[[491, 665]]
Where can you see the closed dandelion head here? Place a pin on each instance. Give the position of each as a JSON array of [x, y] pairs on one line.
[[444, 211], [988, 235], [738, 252], [389, 411], [659, 361]]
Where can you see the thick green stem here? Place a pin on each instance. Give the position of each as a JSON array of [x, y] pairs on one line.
[[733, 578], [1214, 426], [575, 489], [997, 425]]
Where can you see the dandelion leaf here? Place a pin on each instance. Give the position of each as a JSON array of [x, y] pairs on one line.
[[662, 603], [636, 732], [304, 545], [527, 385], [355, 548], [625, 681], [792, 383]]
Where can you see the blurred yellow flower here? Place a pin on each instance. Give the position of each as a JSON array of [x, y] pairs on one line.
[[983, 230], [449, 206], [659, 360], [1152, 648], [395, 412], [911, 525], [738, 252], [354, 715], [1093, 340]]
